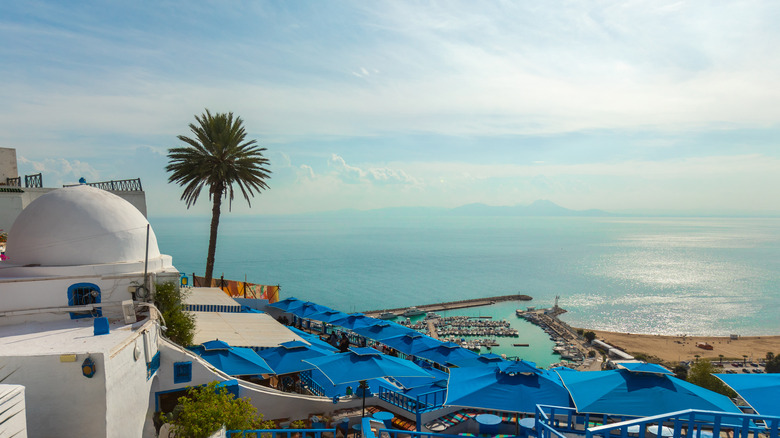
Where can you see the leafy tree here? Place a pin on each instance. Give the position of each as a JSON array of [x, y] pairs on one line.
[[701, 374], [218, 157], [179, 323], [589, 336], [773, 365], [204, 410]]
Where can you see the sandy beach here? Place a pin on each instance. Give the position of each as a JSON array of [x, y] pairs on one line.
[[679, 348]]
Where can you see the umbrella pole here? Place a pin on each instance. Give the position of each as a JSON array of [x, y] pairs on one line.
[[364, 387]]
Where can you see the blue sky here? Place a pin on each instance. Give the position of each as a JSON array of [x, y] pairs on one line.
[[637, 106]]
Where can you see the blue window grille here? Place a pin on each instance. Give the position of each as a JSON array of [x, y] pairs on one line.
[[82, 294], [182, 372]]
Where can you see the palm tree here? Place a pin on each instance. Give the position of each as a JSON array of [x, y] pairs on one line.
[[217, 157]]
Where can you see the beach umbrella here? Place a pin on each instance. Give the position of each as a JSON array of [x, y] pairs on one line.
[[355, 320], [363, 364], [233, 361], [492, 388], [383, 330], [308, 308], [287, 304], [328, 316], [449, 353], [639, 394], [289, 357], [411, 343], [760, 391]]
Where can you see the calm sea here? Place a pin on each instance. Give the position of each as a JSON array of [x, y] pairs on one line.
[[658, 275]]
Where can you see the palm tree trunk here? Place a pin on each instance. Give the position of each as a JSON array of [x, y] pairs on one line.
[[215, 212]]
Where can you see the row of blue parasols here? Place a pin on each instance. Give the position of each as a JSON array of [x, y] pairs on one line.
[[477, 381]]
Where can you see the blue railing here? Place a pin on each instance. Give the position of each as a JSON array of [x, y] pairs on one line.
[[422, 403], [692, 423], [554, 421], [279, 433], [122, 185], [308, 382], [427, 402]]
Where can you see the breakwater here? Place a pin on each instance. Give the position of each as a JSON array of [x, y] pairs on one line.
[[475, 302]]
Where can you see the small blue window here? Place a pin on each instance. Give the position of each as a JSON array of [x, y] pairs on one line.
[[81, 294], [182, 372]]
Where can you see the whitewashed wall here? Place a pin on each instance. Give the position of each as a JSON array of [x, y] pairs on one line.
[[60, 400]]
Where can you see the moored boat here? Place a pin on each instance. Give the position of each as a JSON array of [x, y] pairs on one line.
[[413, 311]]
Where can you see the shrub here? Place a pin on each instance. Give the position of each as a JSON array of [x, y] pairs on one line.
[[204, 410], [179, 323], [701, 374], [773, 365]]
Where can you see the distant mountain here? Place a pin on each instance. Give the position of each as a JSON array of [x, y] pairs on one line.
[[537, 208]]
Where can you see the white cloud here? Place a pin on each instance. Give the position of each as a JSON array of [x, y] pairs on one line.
[[59, 171]]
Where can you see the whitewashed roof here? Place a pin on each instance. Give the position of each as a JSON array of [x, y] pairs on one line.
[[241, 329], [62, 337], [79, 225], [210, 299]]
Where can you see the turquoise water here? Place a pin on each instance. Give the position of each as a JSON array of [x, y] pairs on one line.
[[662, 276]]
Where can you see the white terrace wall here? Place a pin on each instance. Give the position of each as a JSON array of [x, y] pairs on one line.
[[127, 390], [268, 401], [61, 401]]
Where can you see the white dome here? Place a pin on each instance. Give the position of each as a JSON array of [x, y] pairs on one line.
[[79, 225]]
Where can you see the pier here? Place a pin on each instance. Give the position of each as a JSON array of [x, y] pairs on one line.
[[476, 302]]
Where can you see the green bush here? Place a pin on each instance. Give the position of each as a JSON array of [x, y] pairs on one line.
[[701, 374], [204, 410], [179, 323], [773, 364]]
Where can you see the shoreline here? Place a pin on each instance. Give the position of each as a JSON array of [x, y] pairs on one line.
[[675, 349]]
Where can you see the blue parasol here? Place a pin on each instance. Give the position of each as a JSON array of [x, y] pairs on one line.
[[308, 308], [363, 364], [383, 330], [412, 343], [758, 390], [289, 357], [328, 316], [287, 304], [355, 320], [642, 394], [491, 388], [449, 353], [233, 361]]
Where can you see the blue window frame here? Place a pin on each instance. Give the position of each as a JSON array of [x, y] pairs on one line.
[[182, 372], [81, 294]]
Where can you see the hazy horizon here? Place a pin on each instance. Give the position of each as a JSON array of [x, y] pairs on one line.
[[633, 108]]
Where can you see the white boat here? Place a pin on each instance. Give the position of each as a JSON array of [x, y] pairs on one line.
[[387, 315], [413, 311]]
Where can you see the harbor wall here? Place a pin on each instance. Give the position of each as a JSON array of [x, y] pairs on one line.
[[475, 302]]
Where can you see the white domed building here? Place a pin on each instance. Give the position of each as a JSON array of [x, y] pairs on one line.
[[75, 334], [79, 238]]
